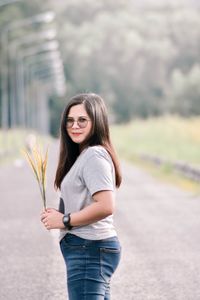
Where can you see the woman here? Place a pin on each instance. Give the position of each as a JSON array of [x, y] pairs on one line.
[[87, 174]]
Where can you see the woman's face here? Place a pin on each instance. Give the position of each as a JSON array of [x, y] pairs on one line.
[[78, 124]]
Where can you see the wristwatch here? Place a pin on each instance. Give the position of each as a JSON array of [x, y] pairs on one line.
[[66, 221]]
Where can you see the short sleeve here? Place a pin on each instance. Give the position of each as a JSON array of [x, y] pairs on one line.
[[98, 172]]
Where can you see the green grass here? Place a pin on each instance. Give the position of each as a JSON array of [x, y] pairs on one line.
[[12, 141], [171, 137]]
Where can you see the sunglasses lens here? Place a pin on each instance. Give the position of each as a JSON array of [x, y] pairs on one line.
[[70, 123], [82, 122]]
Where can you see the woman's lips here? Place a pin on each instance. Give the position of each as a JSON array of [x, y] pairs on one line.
[[76, 133]]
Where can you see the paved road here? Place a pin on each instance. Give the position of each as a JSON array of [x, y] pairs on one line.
[[158, 226]]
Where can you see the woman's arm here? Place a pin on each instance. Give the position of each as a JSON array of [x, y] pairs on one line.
[[103, 206]]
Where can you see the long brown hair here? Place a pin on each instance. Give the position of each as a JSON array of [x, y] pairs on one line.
[[100, 135]]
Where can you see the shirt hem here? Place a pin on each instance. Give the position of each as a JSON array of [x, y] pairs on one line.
[[90, 236]]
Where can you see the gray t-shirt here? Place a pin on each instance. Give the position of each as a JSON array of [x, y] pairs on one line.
[[93, 171]]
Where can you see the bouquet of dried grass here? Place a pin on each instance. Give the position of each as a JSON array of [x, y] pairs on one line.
[[38, 163]]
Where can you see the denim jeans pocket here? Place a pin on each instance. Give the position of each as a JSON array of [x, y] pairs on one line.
[[71, 243], [109, 260]]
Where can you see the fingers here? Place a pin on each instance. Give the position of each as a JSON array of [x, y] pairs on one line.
[[45, 221], [48, 227], [48, 210], [45, 215]]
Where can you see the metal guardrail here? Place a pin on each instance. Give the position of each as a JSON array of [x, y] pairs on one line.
[[189, 171]]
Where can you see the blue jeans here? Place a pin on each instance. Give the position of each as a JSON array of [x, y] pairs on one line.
[[90, 265]]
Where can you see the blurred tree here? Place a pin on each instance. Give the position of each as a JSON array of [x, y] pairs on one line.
[[186, 92], [126, 53], [56, 107], [142, 56]]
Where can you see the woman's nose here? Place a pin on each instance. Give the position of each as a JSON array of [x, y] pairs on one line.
[[75, 125]]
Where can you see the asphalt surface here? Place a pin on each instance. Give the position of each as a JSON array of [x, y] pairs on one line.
[[158, 226]]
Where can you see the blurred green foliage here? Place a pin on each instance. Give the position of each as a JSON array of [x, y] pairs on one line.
[[144, 59], [14, 141], [141, 56], [172, 138], [169, 138]]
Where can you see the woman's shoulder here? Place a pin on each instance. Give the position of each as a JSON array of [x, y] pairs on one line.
[[98, 151]]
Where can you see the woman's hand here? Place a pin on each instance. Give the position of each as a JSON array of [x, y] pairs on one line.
[[52, 219]]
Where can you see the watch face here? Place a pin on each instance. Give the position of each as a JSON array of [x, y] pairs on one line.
[[66, 220]]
